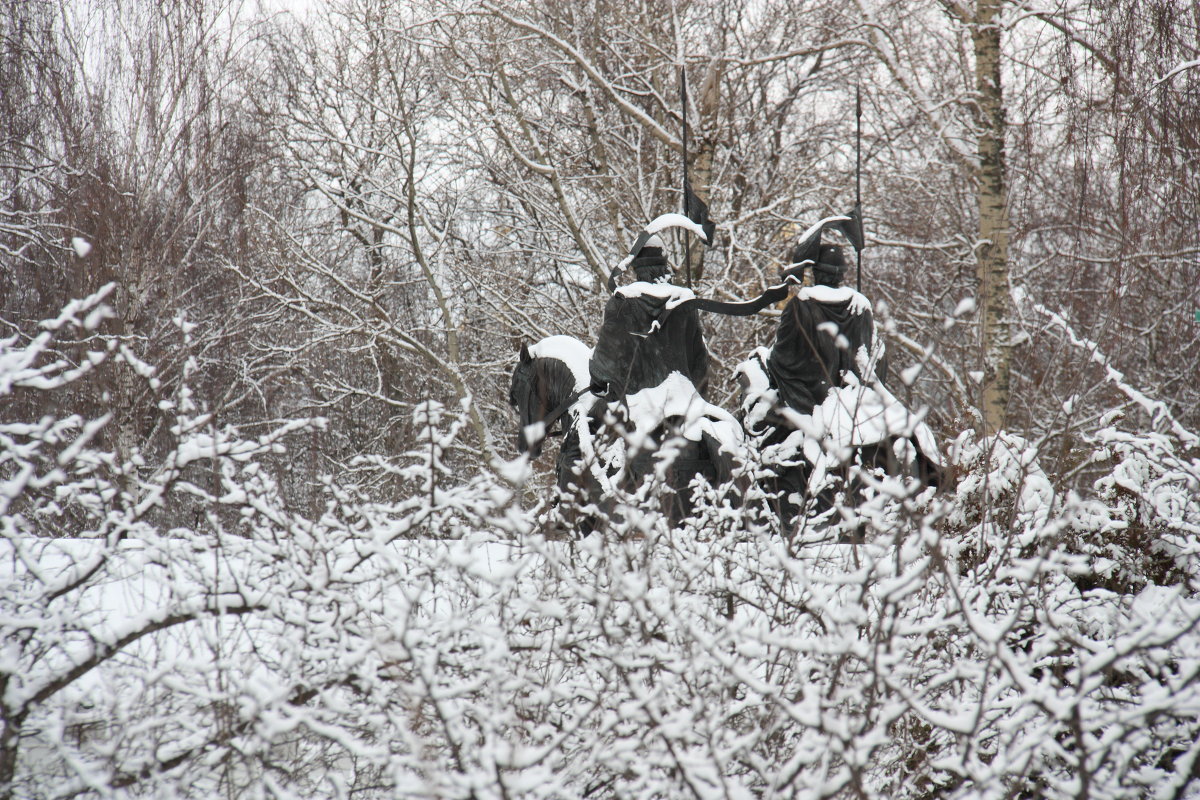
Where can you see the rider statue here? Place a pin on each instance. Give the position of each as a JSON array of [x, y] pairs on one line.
[[826, 330], [649, 332], [650, 364]]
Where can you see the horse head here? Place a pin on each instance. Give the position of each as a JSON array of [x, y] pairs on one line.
[[528, 397], [546, 375]]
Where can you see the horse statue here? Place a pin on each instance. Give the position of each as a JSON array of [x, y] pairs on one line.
[[857, 424], [549, 386], [667, 433], [671, 435], [818, 394]]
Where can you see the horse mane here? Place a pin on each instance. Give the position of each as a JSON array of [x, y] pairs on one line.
[[558, 377]]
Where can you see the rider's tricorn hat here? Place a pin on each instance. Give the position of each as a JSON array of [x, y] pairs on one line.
[[650, 264], [808, 250], [828, 261], [830, 265]]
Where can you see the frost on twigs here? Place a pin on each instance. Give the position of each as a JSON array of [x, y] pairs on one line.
[[997, 640]]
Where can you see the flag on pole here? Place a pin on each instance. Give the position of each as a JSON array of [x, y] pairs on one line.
[[852, 228], [696, 210]]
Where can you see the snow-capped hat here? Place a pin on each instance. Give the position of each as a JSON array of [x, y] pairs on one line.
[[650, 245], [650, 264], [830, 266], [828, 261]]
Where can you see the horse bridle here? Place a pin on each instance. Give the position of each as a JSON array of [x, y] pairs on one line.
[[559, 410], [526, 384]]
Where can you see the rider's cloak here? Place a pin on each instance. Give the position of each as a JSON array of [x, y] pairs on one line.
[[649, 331], [820, 336]]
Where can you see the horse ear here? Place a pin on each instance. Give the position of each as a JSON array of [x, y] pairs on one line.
[[525, 353]]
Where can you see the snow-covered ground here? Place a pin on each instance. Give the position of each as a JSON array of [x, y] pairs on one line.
[[998, 638]]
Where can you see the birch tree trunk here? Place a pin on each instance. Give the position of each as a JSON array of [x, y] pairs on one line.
[[992, 195]]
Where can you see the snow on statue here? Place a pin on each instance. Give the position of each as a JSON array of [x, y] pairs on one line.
[[646, 334], [816, 400], [651, 364], [822, 333], [818, 397], [647, 372]]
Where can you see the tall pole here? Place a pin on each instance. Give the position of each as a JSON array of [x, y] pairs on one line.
[[687, 248], [858, 174]]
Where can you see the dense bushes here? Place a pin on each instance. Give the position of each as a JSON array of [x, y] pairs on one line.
[[992, 640]]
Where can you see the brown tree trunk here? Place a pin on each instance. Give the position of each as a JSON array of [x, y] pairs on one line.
[[992, 193], [708, 104]]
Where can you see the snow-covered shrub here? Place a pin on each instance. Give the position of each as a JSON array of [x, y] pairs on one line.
[[1139, 525], [1001, 497], [449, 643], [1143, 526], [118, 630]]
